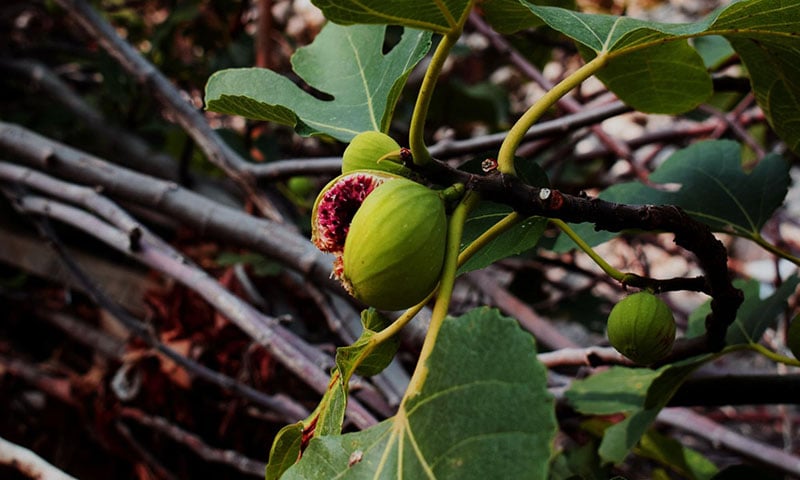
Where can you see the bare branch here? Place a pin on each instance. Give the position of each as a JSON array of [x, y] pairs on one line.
[[689, 421], [205, 216], [218, 152], [28, 463], [263, 329], [195, 443]]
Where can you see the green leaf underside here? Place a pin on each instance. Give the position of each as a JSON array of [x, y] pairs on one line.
[[765, 34], [509, 16], [284, 451], [753, 317], [713, 188], [346, 63], [435, 15], [483, 412], [377, 360], [641, 393]]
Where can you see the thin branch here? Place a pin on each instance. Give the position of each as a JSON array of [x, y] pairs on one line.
[[217, 151], [558, 126], [689, 421], [108, 346], [195, 443], [151, 462], [447, 148], [567, 103], [590, 357], [205, 216], [28, 463], [546, 333], [263, 329]]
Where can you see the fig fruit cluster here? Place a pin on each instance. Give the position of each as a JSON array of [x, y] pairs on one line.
[[642, 328], [388, 233]]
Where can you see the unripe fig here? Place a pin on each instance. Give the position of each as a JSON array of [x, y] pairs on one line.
[[373, 151], [642, 328], [394, 251], [793, 337]]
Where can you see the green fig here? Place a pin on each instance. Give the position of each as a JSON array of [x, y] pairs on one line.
[[394, 251], [642, 328], [373, 151]]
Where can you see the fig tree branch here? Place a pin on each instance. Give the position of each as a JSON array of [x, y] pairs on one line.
[[690, 234]]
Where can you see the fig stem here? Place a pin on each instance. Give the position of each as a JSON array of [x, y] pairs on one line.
[[758, 239], [502, 226], [416, 134], [775, 357], [444, 293], [581, 243], [505, 158]]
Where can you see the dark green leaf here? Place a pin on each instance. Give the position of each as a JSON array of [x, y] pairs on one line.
[[285, 450], [440, 16], [509, 16], [520, 238], [618, 389], [754, 316], [346, 63], [714, 49], [673, 454], [377, 360], [483, 412], [763, 32], [713, 188], [640, 392]]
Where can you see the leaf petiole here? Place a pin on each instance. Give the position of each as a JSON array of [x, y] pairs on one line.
[[505, 158]]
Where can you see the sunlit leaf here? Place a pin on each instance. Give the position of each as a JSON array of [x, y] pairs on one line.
[[652, 68], [346, 63]]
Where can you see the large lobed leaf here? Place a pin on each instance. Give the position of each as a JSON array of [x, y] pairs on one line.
[[438, 16], [652, 67], [483, 412], [346, 63], [711, 186]]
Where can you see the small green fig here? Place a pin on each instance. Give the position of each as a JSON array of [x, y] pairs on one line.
[[642, 328], [793, 337], [394, 251], [373, 150]]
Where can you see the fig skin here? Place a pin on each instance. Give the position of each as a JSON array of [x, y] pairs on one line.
[[642, 328], [395, 248], [373, 150]]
